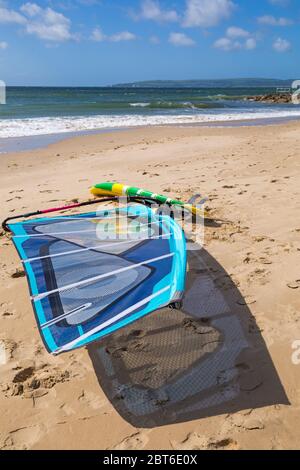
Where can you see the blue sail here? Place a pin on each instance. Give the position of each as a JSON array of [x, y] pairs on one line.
[[92, 274]]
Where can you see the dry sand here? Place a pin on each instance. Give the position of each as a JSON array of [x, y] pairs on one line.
[[219, 373]]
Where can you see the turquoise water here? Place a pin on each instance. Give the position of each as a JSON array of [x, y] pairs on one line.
[[43, 111], [45, 102]]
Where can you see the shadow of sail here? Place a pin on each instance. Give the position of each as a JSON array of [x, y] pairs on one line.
[[207, 359]]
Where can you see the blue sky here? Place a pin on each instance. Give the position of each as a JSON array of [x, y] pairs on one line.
[[102, 42]]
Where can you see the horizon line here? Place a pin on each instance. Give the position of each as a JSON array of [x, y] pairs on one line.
[[119, 84]]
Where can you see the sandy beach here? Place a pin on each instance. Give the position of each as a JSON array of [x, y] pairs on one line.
[[220, 374]]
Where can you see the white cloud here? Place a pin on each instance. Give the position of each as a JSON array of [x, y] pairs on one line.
[[122, 36], [151, 10], [11, 16], [31, 9], [207, 13], [99, 36], [272, 21], [250, 44], [281, 45], [235, 32], [154, 40], [181, 39], [3, 45], [47, 24], [227, 44], [235, 39]]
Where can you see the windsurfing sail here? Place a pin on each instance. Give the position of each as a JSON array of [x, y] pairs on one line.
[[92, 274]]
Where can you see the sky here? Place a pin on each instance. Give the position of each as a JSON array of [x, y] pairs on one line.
[[104, 42]]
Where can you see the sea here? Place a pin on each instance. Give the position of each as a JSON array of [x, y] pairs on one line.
[[31, 112]]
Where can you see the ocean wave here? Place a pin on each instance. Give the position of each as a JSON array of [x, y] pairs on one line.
[[223, 97], [172, 105], [139, 105], [58, 125]]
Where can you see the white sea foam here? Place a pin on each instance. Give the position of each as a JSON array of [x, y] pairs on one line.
[[139, 105], [58, 125]]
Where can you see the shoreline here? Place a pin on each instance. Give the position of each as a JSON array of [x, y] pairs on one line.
[[35, 142]]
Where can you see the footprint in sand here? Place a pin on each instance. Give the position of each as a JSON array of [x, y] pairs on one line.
[[133, 345], [16, 191], [136, 441], [6, 309], [249, 424], [13, 198], [3, 358], [33, 382], [67, 409], [22, 438], [294, 284], [49, 191], [249, 379], [92, 400], [197, 326], [194, 441], [259, 275], [7, 349], [259, 239], [264, 260]]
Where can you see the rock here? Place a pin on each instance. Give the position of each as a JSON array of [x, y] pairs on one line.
[[276, 98]]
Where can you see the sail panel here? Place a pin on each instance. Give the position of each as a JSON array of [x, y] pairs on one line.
[[92, 274]]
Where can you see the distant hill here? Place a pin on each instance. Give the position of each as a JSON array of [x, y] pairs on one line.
[[226, 83]]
